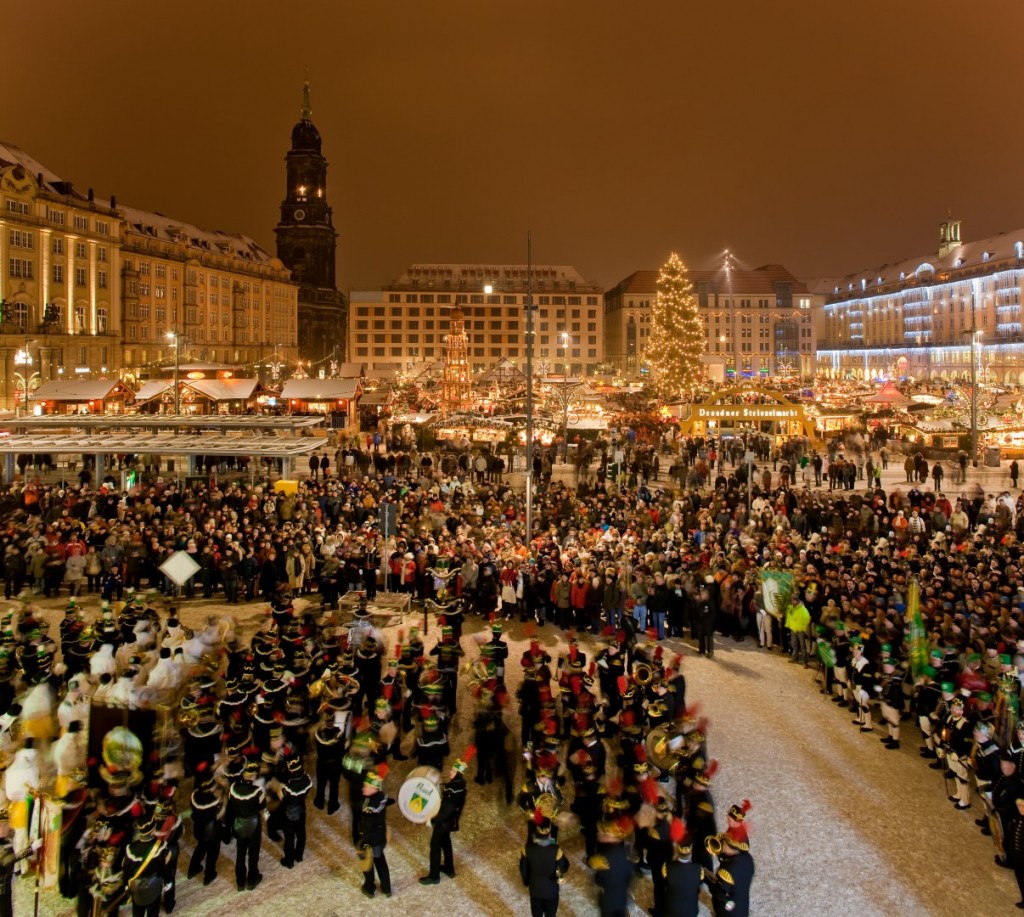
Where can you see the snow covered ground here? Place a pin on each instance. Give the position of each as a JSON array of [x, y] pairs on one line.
[[839, 825]]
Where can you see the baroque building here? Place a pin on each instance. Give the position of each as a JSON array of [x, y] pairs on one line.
[[91, 288], [307, 244]]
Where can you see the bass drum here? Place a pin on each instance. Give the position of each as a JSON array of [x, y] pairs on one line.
[[419, 799]]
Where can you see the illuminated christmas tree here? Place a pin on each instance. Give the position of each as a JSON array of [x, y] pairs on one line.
[[677, 336]]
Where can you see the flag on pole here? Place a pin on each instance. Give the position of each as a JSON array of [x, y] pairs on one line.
[[916, 633], [776, 590]]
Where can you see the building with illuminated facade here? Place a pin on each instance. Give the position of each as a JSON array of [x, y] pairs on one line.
[[756, 323], [916, 318], [91, 288], [406, 321]]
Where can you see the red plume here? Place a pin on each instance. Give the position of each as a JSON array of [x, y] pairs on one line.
[[538, 816], [677, 661], [279, 716], [136, 810], [202, 767], [702, 725], [625, 823], [659, 652], [711, 770], [581, 721], [573, 651], [116, 839], [622, 683], [388, 690], [640, 753], [469, 753], [592, 669], [627, 718], [441, 620], [745, 806], [615, 787], [382, 770], [693, 711], [677, 831], [652, 633], [649, 791], [574, 683], [607, 630], [620, 637]]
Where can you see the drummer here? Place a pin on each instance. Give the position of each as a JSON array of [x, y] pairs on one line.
[[453, 798]]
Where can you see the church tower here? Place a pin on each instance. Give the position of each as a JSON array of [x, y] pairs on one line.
[[307, 245]]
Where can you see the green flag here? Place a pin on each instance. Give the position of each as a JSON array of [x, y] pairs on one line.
[[916, 632], [776, 590]]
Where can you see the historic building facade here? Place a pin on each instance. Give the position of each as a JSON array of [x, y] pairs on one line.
[[59, 266], [406, 321], [91, 288], [227, 300], [916, 318], [307, 244], [756, 323]]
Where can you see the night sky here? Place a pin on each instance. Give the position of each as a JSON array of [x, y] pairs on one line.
[[823, 135]]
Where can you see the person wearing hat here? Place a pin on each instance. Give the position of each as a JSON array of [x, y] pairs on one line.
[[892, 701], [330, 749], [926, 702], [958, 750], [613, 871], [246, 801], [542, 867], [145, 860], [373, 832], [682, 877], [453, 799], [862, 675], [1014, 845], [208, 806], [295, 788]]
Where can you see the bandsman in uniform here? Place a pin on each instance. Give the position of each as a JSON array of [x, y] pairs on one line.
[[542, 867], [453, 799]]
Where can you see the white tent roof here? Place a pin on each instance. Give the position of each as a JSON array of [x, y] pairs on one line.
[[320, 389], [151, 390], [224, 389], [75, 390]]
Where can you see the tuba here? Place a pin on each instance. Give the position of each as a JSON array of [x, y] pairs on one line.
[[643, 674]]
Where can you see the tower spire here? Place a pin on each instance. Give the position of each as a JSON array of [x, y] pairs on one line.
[[307, 111]]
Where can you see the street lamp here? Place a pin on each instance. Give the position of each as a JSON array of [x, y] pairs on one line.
[[975, 334], [529, 387], [565, 396], [176, 337], [26, 363]]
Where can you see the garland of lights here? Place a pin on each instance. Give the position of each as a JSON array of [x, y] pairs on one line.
[[677, 334]]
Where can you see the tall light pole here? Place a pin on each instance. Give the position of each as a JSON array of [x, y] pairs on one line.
[[26, 370], [529, 388], [176, 337], [975, 334], [565, 396]]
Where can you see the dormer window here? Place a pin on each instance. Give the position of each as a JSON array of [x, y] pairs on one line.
[[301, 193]]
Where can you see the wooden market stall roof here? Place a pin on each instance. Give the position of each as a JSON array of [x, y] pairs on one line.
[[888, 395], [78, 390], [320, 389]]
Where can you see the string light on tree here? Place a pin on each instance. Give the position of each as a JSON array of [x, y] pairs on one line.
[[677, 335]]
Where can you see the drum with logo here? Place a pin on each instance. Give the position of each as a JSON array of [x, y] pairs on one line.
[[419, 799]]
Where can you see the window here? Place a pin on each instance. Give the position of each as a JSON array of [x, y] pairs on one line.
[[19, 267], [161, 291], [58, 273], [144, 311], [133, 288], [81, 223], [57, 216], [144, 288], [80, 321], [161, 270], [101, 255], [79, 249], [427, 297], [21, 239], [17, 207], [101, 279], [412, 297], [58, 245], [132, 333], [103, 228]]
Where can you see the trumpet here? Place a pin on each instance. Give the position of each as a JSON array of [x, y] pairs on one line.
[[643, 674]]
